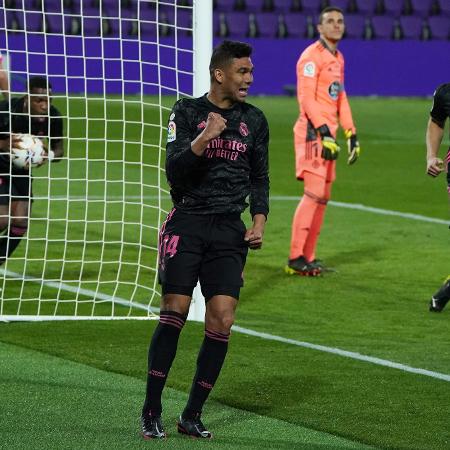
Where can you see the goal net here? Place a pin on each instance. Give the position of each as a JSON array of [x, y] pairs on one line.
[[116, 67]]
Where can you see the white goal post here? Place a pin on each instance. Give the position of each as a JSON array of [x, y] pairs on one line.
[[116, 68]]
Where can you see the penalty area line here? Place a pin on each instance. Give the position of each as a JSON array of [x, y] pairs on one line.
[[275, 198], [95, 295], [235, 328], [371, 209], [344, 353]]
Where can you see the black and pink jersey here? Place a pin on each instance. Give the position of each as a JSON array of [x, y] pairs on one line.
[[234, 166], [440, 110], [439, 113]]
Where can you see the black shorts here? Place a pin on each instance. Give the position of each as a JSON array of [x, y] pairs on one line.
[[15, 187], [209, 248]]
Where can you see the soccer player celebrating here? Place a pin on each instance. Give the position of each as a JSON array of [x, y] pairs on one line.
[[217, 155], [30, 114], [322, 101], [435, 165]]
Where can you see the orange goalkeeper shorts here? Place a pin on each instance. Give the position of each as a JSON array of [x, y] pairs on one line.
[[308, 159]]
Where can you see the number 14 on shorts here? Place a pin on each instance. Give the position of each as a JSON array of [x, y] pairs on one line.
[[168, 246]]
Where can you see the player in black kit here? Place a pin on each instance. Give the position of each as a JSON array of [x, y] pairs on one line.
[[435, 165], [30, 114], [217, 156]]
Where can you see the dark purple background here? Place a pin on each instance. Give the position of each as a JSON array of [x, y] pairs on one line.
[[79, 65]]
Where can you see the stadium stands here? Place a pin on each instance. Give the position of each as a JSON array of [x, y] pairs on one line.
[[422, 8], [412, 27], [394, 8], [383, 27], [237, 24], [268, 25], [365, 19], [366, 7], [345, 5], [439, 27], [31, 21], [224, 5], [255, 6], [445, 7], [311, 6], [284, 6], [356, 26], [296, 25]]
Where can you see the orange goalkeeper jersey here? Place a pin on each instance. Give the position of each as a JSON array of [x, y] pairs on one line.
[[320, 91]]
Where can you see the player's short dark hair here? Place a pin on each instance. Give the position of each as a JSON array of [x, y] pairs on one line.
[[38, 82], [327, 10], [224, 53]]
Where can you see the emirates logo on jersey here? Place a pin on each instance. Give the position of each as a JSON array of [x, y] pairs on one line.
[[243, 129], [201, 125]]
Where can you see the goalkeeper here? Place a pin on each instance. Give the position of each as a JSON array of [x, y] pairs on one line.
[[435, 165], [29, 114], [322, 102]]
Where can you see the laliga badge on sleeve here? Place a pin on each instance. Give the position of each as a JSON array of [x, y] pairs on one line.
[[309, 70], [171, 131]]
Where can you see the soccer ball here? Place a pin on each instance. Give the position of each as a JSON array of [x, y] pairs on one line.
[[29, 150]]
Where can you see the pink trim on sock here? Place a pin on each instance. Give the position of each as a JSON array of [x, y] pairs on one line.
[[217, 336], [178, 323], [171, 319]]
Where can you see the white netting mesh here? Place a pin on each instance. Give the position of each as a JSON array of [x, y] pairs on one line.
[[116, 68]]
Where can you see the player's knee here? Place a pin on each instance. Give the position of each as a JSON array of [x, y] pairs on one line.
[[318, 197], [176, 303], [316, 187], [220, 321]]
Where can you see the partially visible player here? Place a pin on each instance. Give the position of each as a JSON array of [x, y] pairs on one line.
[[439, 113], [217, 156], [31, 114], [323, 104], [4, 85]]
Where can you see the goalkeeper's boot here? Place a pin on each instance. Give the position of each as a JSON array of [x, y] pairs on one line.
[[193, 427], [441, 297], [300, 266], [320, 265], [152, 427]]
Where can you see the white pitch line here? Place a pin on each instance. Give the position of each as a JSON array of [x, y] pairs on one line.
[[336, 351], [288, 198], [77, 290], [345, 353], [360, 207]]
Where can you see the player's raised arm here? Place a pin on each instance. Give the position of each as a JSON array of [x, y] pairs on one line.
[[214, 127], [180, 157]]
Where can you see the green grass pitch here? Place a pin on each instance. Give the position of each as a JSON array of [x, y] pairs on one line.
[[81, 384]]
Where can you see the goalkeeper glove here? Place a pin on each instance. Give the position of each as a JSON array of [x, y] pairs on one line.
[[352, 146], [330, 148]]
